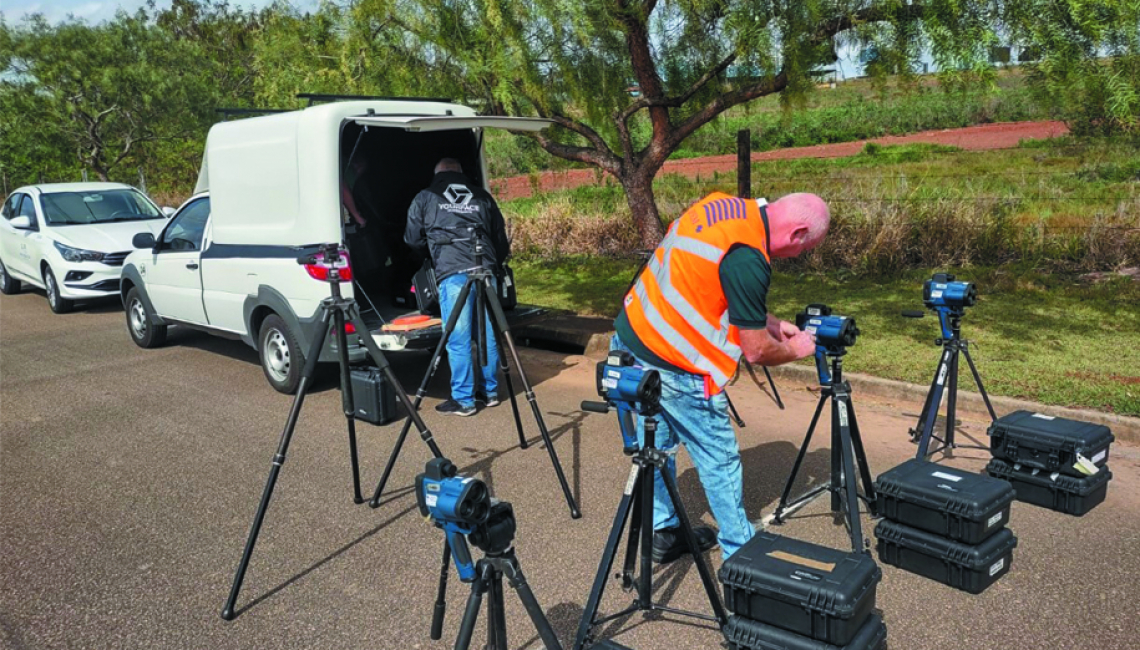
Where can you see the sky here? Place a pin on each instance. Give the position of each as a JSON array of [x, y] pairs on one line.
[[98, 10]]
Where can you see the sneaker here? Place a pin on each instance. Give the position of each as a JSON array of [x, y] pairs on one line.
[[452, 407], [489, 400], [669, 543]]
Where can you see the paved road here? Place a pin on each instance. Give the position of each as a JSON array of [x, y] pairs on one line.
[[128, 479]]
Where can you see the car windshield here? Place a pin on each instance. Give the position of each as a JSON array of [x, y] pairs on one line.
[[103, 206]]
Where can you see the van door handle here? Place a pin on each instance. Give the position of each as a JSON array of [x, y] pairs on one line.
[[192, 265]]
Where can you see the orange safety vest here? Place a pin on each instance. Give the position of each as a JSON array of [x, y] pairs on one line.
[[677, 307]]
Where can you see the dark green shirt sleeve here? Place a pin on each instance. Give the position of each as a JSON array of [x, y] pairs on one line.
[[745, 276]]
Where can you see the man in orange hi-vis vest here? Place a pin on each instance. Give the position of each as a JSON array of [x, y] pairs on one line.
[[697, 307]]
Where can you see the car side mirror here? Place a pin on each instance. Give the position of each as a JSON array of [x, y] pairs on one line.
[[21, 223], [168, 211], [143, 240]]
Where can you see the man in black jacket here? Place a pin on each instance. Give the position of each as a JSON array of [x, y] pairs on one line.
[[444, 220]]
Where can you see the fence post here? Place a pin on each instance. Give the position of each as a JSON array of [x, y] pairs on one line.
[[5, 183], [744, 164], [84, 174], [142, 181]]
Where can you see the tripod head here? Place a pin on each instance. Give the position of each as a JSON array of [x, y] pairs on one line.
[[833, 335], [329, 263], [628, 389]]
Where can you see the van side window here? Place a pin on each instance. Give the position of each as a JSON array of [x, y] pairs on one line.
[[187, 227], [11, 206]]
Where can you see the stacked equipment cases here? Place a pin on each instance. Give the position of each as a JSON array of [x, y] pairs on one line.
[[787, 594], [1052, 462], [945, 524]]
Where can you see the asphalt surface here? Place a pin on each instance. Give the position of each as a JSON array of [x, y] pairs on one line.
[[129, 477]]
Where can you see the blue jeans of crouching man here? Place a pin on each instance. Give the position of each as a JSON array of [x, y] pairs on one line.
[[459, 344], [704, 428]]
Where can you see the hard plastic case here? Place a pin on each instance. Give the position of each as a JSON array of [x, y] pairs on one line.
[[745, 634], [372, 396], [955, 504], [812, 590], [1067, 494], [1049, 443], [971, 568]]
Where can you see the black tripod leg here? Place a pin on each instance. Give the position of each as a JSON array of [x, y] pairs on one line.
[[228, 612], [346, 400], [471, 614], [621, 517], [916, 433], [505, 366], [933, 402], [775, 391], [952, 402], [978, 380], [799, 461], [698, 558], [861, 461], [530, 603], [841, 410], [633, 542], [732, 410], [500, 321], [497, 619], [836, 459], [420, 394], [441, 595]]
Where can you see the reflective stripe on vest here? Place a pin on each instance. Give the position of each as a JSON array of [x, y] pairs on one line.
[[688, 324]]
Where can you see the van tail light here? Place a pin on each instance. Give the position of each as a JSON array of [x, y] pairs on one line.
[[321, 272], [349, 328]]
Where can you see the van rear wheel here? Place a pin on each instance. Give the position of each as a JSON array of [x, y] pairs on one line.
[[281, 357]]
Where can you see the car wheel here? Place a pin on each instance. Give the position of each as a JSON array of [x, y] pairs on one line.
[[8, 284], [281, 356], [140, 322], [58, 303]]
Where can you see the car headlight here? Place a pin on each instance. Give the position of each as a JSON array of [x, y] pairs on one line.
[[78, 254]]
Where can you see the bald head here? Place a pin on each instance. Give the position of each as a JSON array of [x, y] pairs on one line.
[[798, 222], [448, 165]]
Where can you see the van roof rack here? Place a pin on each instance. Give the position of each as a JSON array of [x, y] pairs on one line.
[[314, 98], [227, 113]]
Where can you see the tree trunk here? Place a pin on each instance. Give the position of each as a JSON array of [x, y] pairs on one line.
[[639, 194]]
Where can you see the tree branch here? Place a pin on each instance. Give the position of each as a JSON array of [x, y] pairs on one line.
[[588, 155], [767, 86]]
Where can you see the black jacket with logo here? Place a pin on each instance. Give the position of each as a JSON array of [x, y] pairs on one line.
[[445, 213]]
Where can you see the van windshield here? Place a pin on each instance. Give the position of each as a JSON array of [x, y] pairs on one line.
[[103, 206]]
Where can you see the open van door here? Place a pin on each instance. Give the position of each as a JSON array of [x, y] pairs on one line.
[[428, 123]]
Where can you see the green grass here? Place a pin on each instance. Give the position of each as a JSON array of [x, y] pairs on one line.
[[1036, 336]]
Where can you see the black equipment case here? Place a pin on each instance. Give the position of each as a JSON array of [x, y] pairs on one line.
[[1049, 443], [373, 398], [745, 634], [426, 289], [970, 568], [819, 592], [1068, 494], [942, 500], [508, 297]]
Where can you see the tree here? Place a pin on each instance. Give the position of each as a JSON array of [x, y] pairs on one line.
[[105, 91], [575, 63]]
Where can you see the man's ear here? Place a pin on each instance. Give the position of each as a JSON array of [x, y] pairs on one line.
[[800, 235]]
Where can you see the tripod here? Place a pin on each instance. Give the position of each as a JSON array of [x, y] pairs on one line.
[[846, 451], [638, 498], [335, 311], [481, 282], [946, 382]]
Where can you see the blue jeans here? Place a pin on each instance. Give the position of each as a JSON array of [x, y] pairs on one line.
[[459, 344], [703, 425]]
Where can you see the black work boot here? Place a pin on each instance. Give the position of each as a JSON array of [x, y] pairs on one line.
[[669, 543]]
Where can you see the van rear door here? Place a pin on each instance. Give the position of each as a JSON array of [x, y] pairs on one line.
[[427, 123]]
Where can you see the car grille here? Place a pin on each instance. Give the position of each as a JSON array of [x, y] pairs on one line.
[[115, 259]]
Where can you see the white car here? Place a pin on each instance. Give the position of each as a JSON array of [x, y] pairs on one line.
[[70, 239]]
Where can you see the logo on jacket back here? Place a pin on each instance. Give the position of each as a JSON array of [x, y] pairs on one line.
[[460, 197]]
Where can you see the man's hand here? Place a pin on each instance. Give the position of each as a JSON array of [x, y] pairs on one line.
[[781, 330], [801, 343]]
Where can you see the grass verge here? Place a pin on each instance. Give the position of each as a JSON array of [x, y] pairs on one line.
[[1039, 336]]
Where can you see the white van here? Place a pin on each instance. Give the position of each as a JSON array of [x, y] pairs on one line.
[[270, 190]]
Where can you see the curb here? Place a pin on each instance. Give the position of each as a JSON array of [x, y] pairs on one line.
[[1126, 429]]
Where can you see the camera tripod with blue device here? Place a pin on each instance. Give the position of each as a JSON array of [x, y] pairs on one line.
[[463, 508], [833, 335], [632, 391], [948, 298]]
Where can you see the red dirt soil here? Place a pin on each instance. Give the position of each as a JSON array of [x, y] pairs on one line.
[[1005, 135]]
